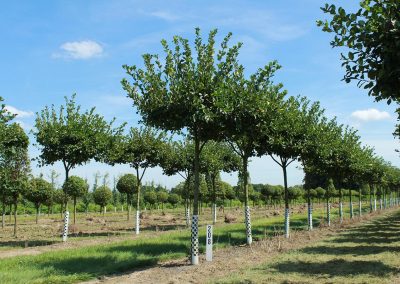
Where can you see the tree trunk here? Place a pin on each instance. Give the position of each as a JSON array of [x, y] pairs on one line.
[[138, 202], [3, 215], [37, 214], [340, 206], [370, 200], [309, 206], [195, 216], [247, 216], [15, 217], [128, 204], [74, 210], [351, 205], [328, 212], [66, 179], [287, 209], [214, 205]]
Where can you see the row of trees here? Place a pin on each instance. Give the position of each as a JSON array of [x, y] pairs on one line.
[[205, 93], [203, 115]]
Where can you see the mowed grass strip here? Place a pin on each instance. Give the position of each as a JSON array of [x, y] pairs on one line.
[[74, 265], [369, 253]]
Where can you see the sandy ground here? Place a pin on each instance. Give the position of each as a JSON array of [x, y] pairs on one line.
[[229, 260]]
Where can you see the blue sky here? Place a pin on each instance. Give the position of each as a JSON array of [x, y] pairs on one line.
[[52, 49]]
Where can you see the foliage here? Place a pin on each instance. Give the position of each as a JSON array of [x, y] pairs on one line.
[[71, 136], [372, 35], [102, 196], [127, 184], [75, 187], [39, 191]]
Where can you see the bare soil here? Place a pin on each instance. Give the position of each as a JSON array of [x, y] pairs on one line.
[[93, 229]]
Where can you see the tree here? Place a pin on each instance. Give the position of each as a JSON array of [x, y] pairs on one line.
[[71, 136], [285, 143], [38, 192], [162, 197], [217, 157], [179, 159], [252, 103], [174, 199], [5, 117], [150, 197], [16, 161], [141, 149], [127, 185], [102, 196], [372, 36], [180, 94], [330, 191], [75, 187]]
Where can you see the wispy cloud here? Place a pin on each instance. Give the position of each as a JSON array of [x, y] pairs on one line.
[[80, 50], [371, 114], [19, 113], [164, 15]]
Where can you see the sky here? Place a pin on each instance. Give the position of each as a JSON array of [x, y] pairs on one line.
[[53, 49]]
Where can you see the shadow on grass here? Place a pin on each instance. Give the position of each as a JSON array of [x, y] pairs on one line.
[[336, 267], [110, 260], [350, 250], [381, 231], [27, 243]]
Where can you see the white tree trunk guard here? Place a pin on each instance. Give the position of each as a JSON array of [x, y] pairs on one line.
[[195, 240], [247, 220], [137, 225], [65, 232]]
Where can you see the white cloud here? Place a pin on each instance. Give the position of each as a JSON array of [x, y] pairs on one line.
[[18, 112], [80, 50], [164, 15], [370, 115]]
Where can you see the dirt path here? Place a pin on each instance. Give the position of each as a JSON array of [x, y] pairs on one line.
[[230, 260]]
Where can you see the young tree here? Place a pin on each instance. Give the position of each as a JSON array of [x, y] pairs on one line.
[[127, 184], [71, 136], [179, 159], [180, 94], [330, 191], [286, 142], [16, 161], [5, 117], [150, 197], [102, 196], [162, 197], [253, 103], [141, 149], [174, 199], [217, 157], [75, 187], [38, 192]]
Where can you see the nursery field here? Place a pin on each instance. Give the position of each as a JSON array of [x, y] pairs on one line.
[[94, 227], [97, 256]]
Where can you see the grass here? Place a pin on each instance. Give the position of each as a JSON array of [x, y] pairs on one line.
[[79, 264], [368, 253], [73, 265]]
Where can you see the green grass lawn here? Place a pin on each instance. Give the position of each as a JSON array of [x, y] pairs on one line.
[[368, 253], [73, 265]]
